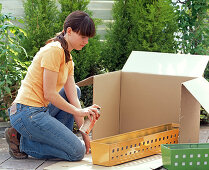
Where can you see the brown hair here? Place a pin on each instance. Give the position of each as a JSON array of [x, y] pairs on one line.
[[81, 23]]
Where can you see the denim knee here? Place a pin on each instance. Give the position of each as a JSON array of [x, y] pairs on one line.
[[62, 93], [78, 153], [78, 92]]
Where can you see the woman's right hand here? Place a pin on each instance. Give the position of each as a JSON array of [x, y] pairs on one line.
[[90, 112]]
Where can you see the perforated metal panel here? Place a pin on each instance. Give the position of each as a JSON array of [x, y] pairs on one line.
[[186, 156], [133, 145]]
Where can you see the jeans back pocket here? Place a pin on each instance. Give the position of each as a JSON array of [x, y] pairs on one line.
[[20, 127]]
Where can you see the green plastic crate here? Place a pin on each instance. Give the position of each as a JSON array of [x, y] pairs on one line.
[[193, 156]]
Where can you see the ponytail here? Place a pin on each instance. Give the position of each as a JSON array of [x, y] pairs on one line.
[[60, 37]]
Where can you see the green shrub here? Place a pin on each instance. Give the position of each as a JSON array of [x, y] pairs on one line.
[[204, 116], [139, 25], [68, 6], [12, 67], [41, 23], [206, 73], [193, 26]]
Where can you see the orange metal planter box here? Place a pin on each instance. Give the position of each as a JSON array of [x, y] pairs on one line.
[[133, 145]]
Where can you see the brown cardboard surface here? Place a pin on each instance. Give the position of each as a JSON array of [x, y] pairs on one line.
[[194, 93], [147, 92], [86, 82], [149, 100], [106, 93], [189, 118]]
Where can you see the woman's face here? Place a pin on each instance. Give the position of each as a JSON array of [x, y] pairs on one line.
[[77, 41]]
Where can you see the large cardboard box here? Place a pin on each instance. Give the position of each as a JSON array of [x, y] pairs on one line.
[[152, 89]]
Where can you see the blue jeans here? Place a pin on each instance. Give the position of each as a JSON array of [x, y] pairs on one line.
[[46, 132]]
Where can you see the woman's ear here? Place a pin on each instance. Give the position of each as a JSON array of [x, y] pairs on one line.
[[69, 30]]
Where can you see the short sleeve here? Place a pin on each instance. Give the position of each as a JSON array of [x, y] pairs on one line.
[[52, 59]]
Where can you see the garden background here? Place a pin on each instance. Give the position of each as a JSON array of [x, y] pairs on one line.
[[178, 26]]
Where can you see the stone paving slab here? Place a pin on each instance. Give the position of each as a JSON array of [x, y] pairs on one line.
[[204, 134], [29, 164], [3, 145], [148, 163], [46, 164], [3, 126], [4, 156]]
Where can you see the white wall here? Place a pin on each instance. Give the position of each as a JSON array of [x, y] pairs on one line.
[[15, 7]]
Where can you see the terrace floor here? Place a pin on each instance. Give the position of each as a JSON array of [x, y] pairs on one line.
[[148, 163]]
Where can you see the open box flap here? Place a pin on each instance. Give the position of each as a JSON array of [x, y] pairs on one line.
[[86, 82], [166, 64], [199, 88]]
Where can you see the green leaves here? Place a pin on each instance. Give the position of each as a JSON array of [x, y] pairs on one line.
[[11, 64], [139, 25], [41, 24], [7, 89], [193, 25], [204, 116]]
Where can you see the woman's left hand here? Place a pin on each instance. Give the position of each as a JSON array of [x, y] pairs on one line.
[[86, 139]]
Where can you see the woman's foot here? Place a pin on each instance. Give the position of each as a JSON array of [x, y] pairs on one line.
[[12, 139]]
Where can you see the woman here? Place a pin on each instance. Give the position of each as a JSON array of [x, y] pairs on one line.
[[43, 112]]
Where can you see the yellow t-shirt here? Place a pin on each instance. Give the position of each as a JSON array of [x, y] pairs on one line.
[[51, 57]]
